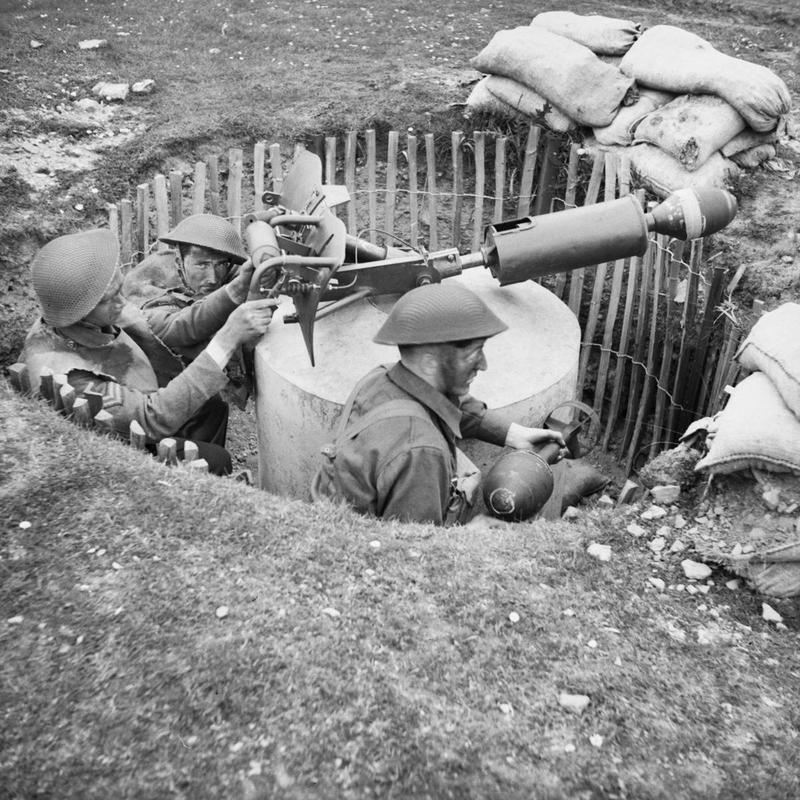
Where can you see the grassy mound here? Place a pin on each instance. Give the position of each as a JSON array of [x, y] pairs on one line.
[[166, 634]]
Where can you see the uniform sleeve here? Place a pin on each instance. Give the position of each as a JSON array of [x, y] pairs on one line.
[[191, 324], [162, 412], [478, 422], [414, 486]]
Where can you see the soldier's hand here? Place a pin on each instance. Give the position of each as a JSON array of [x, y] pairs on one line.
[[521, 437], [248, 322], [240, 285]]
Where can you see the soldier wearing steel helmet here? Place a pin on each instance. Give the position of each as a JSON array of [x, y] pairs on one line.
[[89, 333], [187, 293], [395, 454]]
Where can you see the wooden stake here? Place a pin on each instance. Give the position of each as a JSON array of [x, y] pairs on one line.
[[649, 377], [413, 203], [198, 465], [126, 234], [372, 186], [547, 175], [569, 202], [113, 219], [433, 211], [162, 205], [199, 188], [499, 178], [660, 436], [456, 142], [721, 380], [479, 138], [167, 451], [81, 414], [577, 276], [18, 377], [624, 342], [103, 421], [67, 397], [59, 381], [46, 387], [212, 165], [640, 344], [608, 333], [677, 419], [142, 222], [137, 437], [391, 181], [528, 169], [330, 160], [176, 195], [276, 167], [235, 157], [350, 152], [259, 155], [599, 285], [190, 451]]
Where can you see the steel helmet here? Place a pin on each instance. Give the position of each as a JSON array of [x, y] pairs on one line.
[[209, 231], [517, 486], [71, 274], [439, 312]]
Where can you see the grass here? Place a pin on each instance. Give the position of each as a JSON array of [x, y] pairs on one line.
[[357, 658]]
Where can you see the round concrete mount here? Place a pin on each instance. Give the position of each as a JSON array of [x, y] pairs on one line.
[[533, 367]]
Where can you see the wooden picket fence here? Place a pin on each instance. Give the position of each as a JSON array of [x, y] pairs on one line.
[[657, 345]]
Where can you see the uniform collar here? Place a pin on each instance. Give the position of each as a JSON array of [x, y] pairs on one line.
[[444, 407]]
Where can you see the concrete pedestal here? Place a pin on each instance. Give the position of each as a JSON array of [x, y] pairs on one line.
[[533, 367]]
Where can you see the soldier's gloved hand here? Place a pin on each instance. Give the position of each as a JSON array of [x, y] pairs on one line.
[[238, 288], [521, 437], [246, 324]]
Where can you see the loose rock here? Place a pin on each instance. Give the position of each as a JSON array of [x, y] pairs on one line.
[[770, 614], [111, 91], [576, 703], [654, 512], [144, 87], [657, 583], [695, 570], [636, 530], [93, 44], [602, 552], [222, 612], [665, 495], [628, 492], [657, 544]]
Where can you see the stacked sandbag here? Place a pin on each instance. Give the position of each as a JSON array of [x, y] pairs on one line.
[[687, 114], [722, 102], [565, 74], [760, 426]]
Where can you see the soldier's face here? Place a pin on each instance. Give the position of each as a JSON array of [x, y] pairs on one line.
[[205, 270], [107, 311], [459, 364]]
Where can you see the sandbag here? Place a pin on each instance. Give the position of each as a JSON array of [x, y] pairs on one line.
[[773, 347], [602, 35], [675, 60], [564, 72], [621, 130], [528, 102], [662, 174], [746, 140], [756, 429], [691, 127], [755, 156], [482, 101]]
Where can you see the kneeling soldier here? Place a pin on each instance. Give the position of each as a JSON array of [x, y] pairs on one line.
[[103, 344], [395, 454]]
